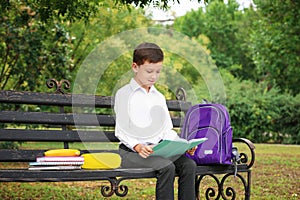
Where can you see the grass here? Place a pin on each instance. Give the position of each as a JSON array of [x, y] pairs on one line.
[[275, 176]]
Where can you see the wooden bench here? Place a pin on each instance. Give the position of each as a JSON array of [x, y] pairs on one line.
[[68, 120]]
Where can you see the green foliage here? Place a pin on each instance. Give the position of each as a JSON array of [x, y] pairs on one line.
[[143, 3], [9, 145], [56, 9], [259, 43], [262, 114], [275, 43], [110, 21], [220, 28], [76, 9], [177, 71], [191, 24], [254, 44], [289, 121], [42, 39], [30, 50], [227, 29], [161, 3]]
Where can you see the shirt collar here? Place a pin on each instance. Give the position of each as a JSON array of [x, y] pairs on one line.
[[135, 86]]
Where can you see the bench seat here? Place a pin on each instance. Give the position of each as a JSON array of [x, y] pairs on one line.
[[24, 175]]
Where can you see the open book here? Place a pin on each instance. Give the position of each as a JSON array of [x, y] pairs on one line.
[[168, 148]]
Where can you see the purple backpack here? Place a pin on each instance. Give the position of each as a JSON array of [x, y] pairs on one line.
[[211, 121]]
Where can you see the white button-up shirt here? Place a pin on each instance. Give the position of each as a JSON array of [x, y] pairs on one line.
[[142, 117]]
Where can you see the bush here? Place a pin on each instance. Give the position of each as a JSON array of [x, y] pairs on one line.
[[260, 113], [289, 119]]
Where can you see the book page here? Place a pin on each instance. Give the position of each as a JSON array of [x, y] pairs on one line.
[[168, 148]]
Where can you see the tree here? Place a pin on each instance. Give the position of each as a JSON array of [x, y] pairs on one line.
[[191, 24], [220, 29], [111, 20], [29, 50], [228, 30], [74, 10], [62, 9], [275, 43]]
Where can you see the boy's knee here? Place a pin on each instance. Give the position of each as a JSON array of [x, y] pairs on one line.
[[169, 169], [191, 164]]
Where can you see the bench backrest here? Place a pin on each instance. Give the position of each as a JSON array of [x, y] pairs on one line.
[[62, 119]]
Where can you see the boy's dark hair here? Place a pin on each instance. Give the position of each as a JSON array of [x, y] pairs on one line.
[[147, 52]]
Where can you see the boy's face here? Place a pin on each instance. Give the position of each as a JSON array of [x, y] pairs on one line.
[[147, 74]]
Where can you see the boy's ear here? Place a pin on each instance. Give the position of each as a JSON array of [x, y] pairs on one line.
[[134, 67]]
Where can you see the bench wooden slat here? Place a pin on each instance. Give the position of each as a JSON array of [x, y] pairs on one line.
[[56, 118], [57, 135], [16, 155], [53, 99], [23, 155], [174, 105], [63, 118], [77, 100], [76, 175]]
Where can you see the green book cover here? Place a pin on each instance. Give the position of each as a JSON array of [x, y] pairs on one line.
[[168, 148]]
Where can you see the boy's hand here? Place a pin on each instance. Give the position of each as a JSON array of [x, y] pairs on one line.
[[144, 150], [192, 151]]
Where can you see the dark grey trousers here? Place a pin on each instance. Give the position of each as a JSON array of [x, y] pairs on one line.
[[165, 173]]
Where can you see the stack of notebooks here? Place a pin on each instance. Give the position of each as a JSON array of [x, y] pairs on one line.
[[57, 163]]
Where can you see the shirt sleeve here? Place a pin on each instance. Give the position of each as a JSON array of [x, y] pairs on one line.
[[171, 135], [127, 141], [124, 138]]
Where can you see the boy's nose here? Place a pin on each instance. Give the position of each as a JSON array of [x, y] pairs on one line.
[[154, 76]]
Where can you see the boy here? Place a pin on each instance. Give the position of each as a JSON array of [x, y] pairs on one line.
[[143, 120]]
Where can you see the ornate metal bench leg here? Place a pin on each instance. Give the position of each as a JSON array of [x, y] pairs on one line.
[[121, 190], [222, 191], [197, 184], [248, 191], [114, 188], [230, 192], [210, 192], [108, 191]]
